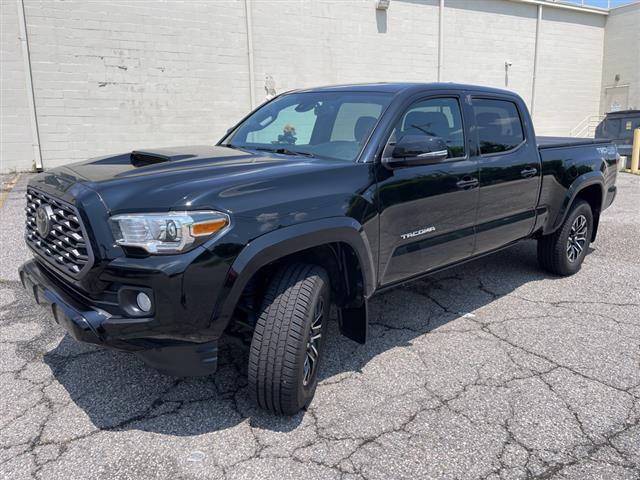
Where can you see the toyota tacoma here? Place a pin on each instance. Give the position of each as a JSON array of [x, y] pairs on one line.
[[316, 200]]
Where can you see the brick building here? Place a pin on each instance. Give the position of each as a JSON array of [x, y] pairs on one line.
[[91, 78]]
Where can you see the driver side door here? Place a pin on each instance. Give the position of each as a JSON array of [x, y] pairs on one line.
[[428, 209]]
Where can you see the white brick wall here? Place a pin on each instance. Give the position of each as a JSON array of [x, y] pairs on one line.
[[305, 43], [110, 76], [16, 149], [622, 55], [568, 83], [480, 35]]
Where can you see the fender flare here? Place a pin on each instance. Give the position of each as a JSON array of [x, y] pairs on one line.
[[288, 240], [579, 184]]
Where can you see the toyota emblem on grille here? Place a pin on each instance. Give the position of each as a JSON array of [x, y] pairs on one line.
[[43, 220]]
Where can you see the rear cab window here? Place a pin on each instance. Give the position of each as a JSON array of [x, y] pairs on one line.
[[499, 125]]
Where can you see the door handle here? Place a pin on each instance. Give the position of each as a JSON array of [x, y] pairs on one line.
[[528, 172], [467, 183]]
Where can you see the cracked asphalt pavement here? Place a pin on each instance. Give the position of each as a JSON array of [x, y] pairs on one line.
[[491, 370]]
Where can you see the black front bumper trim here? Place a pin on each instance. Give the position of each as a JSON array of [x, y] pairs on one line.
[[90, 325], [81, 323]]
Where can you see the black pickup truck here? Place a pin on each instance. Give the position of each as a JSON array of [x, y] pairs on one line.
[[319, 197]]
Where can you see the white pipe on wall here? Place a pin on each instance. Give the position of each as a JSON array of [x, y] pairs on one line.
[[536, 51], [252, 80], [24, 41], [440, 39]]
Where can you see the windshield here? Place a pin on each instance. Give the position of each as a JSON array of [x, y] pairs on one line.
[[324, 124]]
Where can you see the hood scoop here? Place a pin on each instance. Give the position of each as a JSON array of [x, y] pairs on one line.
[[140, 158]]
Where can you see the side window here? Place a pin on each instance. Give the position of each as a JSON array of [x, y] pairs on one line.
[[436, 117], [499, 125], [355, 121]]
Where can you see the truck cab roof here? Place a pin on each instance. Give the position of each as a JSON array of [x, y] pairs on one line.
[[403, 87]]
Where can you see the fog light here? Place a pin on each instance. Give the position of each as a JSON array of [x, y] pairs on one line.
[[144, 302]]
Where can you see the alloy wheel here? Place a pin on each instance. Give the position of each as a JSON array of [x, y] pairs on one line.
[[313, 344], [577, 238]]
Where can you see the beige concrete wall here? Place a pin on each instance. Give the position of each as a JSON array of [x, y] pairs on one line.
[[16, 138], [622, 57], [481, 35], [568, 83], [303, 44], [110, 76]]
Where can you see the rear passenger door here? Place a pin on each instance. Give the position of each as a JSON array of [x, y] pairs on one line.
[[509, 172]]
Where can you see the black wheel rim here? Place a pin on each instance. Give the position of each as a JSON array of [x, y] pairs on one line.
[[313, 344], [577, 238]]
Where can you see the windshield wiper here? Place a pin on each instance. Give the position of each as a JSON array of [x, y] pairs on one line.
[[285, 151]]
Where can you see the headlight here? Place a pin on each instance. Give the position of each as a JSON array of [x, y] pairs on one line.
[[171, 232]]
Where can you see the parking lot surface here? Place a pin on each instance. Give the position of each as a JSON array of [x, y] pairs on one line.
[[490, 370]]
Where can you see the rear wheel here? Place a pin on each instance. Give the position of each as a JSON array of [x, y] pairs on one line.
[[563, 251], [288, 339]]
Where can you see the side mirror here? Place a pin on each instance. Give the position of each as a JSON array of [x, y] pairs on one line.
[[416, 150]]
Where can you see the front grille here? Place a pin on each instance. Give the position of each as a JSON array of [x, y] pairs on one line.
[[64, 246]]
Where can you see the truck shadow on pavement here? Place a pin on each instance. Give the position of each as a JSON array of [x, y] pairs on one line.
[[117, 391]]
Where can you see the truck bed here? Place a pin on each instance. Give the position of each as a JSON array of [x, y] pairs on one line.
[[555, 142]]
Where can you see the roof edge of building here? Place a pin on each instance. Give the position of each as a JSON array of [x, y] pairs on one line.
[[567, 6], [635, 4]]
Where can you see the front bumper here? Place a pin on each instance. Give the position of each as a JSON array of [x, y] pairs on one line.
[[90, 324]]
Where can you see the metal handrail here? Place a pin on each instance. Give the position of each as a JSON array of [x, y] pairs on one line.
[[587, 127]]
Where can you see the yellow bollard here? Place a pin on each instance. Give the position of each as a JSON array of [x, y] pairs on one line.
[[635, 152]]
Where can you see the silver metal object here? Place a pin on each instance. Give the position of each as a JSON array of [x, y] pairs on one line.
[[577, 238], [43, 220], [311, 358], [436, 154]]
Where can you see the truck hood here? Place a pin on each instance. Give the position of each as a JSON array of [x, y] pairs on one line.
[[203, 177], [162, 161]]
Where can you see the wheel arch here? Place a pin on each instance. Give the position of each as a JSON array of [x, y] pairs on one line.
[[588, 187], [338, 244]]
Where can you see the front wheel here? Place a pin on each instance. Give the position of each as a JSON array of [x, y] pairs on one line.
[[287, 342], [563, 251]]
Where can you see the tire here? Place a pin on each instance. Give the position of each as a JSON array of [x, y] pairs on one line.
[[282, 374], [563, 251]]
